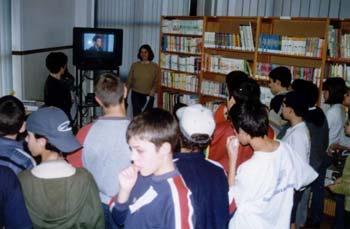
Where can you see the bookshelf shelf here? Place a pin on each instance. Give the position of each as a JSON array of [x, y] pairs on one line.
[[183, 35], [338, 60], [182, 53], [181, 72], [175, 90], [210, 98], [292, 56]]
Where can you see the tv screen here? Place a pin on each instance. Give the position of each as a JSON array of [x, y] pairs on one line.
[[97, 48]]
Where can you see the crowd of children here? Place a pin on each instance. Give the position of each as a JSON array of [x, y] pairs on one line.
[[190, 169]]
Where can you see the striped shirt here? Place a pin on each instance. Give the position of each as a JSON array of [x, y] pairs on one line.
[[156, 202]]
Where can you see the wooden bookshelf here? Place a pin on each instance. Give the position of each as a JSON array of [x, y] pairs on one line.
[[179, 33], [228, 42], [338, 54]]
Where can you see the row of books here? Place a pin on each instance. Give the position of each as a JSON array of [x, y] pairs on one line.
[[242, 41], [192, 27], [180, 81], [334, 39], [213, 105], [170, 99], [224, 65], [300, 46], [190, 64], [339, 70], [312, 74], [213, 88], [181, 44]]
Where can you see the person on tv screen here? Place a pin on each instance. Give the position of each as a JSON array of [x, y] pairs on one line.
[[98, 42]]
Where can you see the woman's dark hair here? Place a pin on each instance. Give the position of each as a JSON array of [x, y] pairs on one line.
[[310, 92], [336, 88], [149, 50], [234, 80], [248, 90]]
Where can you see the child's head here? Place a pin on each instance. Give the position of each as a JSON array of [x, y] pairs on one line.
[[308, 89], [280, 79], [196, 127], [56, 62], [346, 101], [110, 90], [250, 121], [12, 115], [294, 105], [152, 137], [49, 129], [334, 90]]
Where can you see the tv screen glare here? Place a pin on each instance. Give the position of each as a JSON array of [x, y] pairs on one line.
[[97, 48]]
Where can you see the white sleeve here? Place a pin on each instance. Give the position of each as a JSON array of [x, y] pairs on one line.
[[300, 144]]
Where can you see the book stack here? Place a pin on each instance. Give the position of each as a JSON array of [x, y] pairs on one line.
[[339, 70], [181, 44], [190, 64], [179, 81], [242, 41], [312, 74], [189, 27], [299, 46], [333, 38], [224, 65], [170, 99], [213, 88], [345, 46]]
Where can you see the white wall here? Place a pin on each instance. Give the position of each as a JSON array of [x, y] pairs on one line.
[[40, 24]]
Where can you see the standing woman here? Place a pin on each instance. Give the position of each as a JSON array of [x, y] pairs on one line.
[[142, 80]]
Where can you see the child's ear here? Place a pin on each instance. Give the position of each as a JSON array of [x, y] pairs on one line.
[[98, 101], [23, 128], [165, 148], [42, 142]]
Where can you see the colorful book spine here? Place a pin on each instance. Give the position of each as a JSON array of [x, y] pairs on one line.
[[190, 64], [339, 70], [181, 44], [179, 81], [170, 99], [213, 88], [224, 65], [176, 26], [311, 74]]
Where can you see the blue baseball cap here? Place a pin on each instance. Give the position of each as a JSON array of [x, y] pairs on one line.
[[53, 123]]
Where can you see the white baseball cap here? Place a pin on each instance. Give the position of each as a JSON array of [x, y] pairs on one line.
[[195, 119]]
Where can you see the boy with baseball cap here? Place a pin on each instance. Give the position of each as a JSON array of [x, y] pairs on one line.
[[205, 178], [56, 194]]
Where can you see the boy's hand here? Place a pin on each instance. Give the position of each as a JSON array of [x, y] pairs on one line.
[[232, 145], [127, 180]]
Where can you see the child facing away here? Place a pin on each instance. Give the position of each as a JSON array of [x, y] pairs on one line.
[[205, 178], [152, 192], [102, 155], [56, 194], [263, 186], [12, 154]]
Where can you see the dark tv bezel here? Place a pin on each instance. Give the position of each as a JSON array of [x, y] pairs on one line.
[[83, 59]]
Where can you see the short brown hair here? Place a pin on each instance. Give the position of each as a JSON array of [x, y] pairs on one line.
[[110, 90], [157, 126]]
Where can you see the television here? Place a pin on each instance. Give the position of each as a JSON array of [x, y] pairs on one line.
[[97, 48]]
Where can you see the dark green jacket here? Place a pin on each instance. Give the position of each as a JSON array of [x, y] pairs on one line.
[[65, 202]]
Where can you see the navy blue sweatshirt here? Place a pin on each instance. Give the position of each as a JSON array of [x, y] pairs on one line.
[[208, 183], [13, 212], [162, 201]]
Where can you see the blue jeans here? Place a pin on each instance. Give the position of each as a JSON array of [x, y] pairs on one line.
[[109, 222]]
